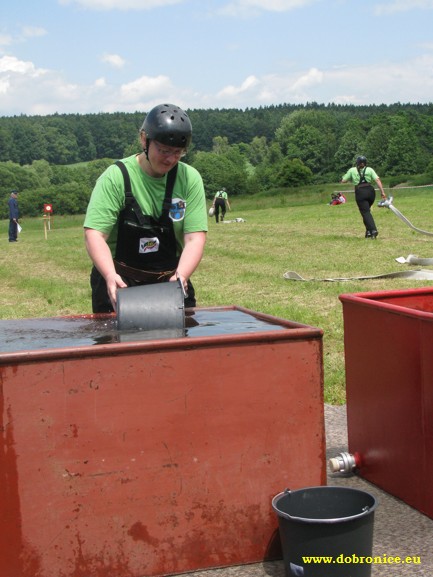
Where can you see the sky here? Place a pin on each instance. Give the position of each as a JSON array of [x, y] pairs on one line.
[[90, 56]]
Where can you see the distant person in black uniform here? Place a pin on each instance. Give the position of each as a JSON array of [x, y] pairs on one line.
[[221, 202], [362, 176]]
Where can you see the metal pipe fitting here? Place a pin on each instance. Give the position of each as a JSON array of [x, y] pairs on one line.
[[386, 202], [343, 463]]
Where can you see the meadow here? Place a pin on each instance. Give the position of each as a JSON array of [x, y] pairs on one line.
[[244, 262]]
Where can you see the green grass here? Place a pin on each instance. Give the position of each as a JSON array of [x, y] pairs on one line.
[[243, 264]]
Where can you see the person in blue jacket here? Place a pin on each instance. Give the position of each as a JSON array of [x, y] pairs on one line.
[[13, 216]]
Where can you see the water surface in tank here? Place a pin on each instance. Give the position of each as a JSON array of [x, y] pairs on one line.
[[63, 332]]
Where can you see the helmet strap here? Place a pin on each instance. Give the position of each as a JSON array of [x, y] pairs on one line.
[[146, 149]]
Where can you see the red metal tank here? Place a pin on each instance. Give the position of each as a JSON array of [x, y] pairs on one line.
[[156, 457], [388, 340]]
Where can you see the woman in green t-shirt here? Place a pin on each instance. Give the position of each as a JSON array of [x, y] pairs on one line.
[[220, 202], [362, 177], [156, 230]]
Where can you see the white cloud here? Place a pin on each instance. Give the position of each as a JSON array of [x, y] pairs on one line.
[[274, 5], [32, 31], [230, 91], [26, 89], [427, 45], [272, 88], [31, 90], [25, 33], [254, 7], [403, 6], [144, 88], [384, 83], [4, 85], [313, 77], [5, 39], [113, 60], [121, 4], [410, 81], [10, 64]]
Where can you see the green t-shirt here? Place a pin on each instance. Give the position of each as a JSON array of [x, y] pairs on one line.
[[108, 199], [352, 175], [221, 194]]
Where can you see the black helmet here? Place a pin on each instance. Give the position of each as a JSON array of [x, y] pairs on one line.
[[361, 160], [169, 125]]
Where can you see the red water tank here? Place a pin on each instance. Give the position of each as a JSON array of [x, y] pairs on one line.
[[155, 457], [388, 340]]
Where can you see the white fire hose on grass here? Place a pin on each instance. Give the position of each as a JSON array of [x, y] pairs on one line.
[[387, 203], [411, 259], [412, 274]]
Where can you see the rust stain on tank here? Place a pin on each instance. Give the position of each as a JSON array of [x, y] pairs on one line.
[[108, 562], [140, 533], [17, 560]]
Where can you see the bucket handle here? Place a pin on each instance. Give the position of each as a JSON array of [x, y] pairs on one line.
[[288, 492], [179, 280]]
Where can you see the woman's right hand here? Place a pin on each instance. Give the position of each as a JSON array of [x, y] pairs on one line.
[[114, 282]]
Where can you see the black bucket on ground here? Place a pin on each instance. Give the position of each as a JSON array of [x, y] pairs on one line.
[[326, 531], [156, 307]]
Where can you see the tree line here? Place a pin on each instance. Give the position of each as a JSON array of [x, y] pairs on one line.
[[57, 158]]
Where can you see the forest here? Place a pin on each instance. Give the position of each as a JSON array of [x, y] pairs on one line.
[[57, 158]]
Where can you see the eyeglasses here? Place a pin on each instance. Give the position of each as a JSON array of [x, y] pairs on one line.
[[177, 152]]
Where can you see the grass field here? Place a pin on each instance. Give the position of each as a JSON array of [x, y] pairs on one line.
[[244, 263]]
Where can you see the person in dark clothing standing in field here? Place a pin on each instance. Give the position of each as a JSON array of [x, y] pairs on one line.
[[13, 216], [362, 177], [221, 202]]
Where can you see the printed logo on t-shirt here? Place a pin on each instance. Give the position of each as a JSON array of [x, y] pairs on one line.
[[177, 209], [148, 245]]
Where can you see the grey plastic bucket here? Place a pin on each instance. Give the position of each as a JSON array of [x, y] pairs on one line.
[[326, 531], [156, 307]]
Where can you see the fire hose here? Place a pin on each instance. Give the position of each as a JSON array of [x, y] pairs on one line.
[[411, 259], [412, 274], [387, 203]]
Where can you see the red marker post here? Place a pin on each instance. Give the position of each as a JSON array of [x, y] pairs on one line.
[[48, 211]]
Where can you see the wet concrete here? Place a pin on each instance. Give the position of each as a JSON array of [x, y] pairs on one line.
[[399, 530]]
